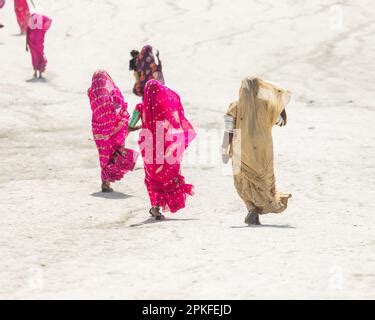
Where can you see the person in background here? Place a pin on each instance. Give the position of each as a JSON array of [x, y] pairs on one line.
[[165, 135], [110, 128], [248, 141], [36, 30], [2, 3], [133, 64], [21, 8], [148, 67]]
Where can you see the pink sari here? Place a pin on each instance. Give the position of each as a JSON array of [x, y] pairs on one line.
[[165, 135], [110, 127], [36, 29], [23, 13]]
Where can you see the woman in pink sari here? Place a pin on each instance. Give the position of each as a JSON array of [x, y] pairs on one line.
[[22, 11], [165, 135], [110, 128], [36, 30]]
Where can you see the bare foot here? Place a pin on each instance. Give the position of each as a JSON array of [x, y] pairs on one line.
[[252, 218], [106, 187], [155, 212]]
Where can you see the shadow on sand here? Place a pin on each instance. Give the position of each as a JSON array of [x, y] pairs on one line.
[[37, 80], [283, 226], [112, 195], [153, 221]]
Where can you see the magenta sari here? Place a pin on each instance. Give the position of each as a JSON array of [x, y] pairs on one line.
[[36, 30], [110, 127], [165, 135], [21, 8]]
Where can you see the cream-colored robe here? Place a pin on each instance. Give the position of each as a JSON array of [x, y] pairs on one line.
[[255, 113]]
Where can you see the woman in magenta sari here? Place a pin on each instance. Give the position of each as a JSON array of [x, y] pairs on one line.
[[36, 30], [165, 135], [22, 11], [110, 128]]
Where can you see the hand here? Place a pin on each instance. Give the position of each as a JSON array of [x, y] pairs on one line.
[[225, 158], [283, 119], [224, 155], [131, 129], [280, 121]]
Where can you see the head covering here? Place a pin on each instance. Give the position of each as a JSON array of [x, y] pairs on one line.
[[148, 67], [39, 22], [162, 151], [256, 112], [109, 126]]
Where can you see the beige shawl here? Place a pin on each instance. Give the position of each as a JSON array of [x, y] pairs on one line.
[[256, 112]]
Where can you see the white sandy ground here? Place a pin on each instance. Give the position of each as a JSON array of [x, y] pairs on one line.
[[60, 238]]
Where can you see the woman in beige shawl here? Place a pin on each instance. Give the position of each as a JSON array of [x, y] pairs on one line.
[[248, 141]]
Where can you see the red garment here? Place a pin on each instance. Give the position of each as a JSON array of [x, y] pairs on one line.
[[36, 29], [23, 13], [110, 127], [165, 135]]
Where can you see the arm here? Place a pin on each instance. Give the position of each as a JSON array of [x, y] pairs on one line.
[[284, 116], [133, 121], [228, 137]]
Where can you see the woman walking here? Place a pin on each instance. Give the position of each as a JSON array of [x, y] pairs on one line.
[[21, 8], [165, 135], [110, 128], [36, 30], [248, 140]]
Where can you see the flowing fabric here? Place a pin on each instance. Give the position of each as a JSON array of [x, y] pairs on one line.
[[37, 27], [148, 67], [2, 3], [255, 113], [110, 127], [165, 135], [22, 11]]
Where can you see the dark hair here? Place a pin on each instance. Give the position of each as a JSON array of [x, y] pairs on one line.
[[133, 62], [134, 53]]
